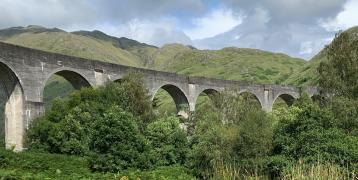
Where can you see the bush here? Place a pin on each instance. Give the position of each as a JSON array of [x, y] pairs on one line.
[[313, 134], [168, 142], [345, 112], [98, 123], [229, 133], [338, 75], [66, 127], [32, 165], [63, 131], [118, 144]]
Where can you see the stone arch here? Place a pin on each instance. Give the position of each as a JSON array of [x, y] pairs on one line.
[[317, 98], [288, 98], [209, 92], [12, 102], [252, 94], [76, 79], [178, 95], [118, 80]]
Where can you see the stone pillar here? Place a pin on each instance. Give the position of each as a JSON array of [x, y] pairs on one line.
[[192, 96], [32, 111], [99, 77], [267, 101], [14, 119]]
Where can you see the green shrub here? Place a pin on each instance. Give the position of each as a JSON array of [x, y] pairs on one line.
[[168, 142], [234, 131], [66, 127], [313, 134], [345, 111], [100, 123], [118, 144], [55, 166], [338, 75], [277, 164]]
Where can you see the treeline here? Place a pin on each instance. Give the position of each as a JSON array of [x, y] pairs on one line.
[[116, 129]]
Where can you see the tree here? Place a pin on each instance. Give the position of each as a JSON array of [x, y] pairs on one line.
[[233, 130], [168, 142], [117, 143], [65, 127], [338, 76], [312, 133]]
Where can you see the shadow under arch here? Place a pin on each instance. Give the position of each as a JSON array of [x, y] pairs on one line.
[[178, 96], [118, 81], [251, 97], [287, 98], [60, 83], [203, 95], [12, 121], [210, 92], [317, 98], [76, 79]]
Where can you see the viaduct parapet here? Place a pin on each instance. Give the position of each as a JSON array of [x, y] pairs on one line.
[[24, 73]]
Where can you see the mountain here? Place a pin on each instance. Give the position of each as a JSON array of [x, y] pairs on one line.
[[59, 41], [229, 63], [307, 75], [140, 50], [295, 40]]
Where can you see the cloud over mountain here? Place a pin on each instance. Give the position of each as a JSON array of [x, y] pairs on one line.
[[297, 27]]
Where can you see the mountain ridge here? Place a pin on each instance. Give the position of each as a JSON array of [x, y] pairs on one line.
[[230, 63]]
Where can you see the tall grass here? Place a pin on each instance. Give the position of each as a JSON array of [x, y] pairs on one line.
[[222, 171], [299, 171], [319, 171]]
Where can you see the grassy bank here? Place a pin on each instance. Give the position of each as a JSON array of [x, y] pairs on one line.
[[33, 165]]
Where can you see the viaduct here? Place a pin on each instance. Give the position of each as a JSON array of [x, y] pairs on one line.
[[24, 72]]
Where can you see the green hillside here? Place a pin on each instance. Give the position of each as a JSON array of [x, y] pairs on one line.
[[229, 63], [308, 75], [58, 41], [142, 51]]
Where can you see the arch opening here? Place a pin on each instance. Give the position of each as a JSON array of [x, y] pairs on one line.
[[205, 99], [118, 81], [11, 109], [317, 98], [283, 101], [61, 84], [170, 99], [251, 98]]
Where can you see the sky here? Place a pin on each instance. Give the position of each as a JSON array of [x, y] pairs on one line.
[[299, 28]]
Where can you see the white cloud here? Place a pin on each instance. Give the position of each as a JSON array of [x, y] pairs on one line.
[[289, 26], [306, 48], [236, 37], [311, 48], [53, 13], [217, 22], [345, 19], [159, 32]]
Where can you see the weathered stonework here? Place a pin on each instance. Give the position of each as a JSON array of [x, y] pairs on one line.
[[32, 68]]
